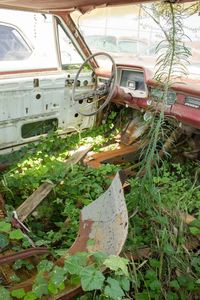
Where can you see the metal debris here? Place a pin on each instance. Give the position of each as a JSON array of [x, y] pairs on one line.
[[105, 222], [133, 131]]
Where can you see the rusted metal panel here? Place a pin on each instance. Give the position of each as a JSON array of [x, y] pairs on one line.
[[121, 154], [9, 258], [105, 222], [133, 130]]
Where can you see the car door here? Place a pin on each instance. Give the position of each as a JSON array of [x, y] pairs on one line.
[[35, 85]]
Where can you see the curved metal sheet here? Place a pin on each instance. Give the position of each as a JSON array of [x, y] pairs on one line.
[[104, 223]]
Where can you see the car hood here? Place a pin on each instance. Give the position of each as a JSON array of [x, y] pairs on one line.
[[65, 5]]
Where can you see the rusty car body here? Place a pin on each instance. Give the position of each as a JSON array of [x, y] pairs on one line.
[[63, 97], [41, 95]]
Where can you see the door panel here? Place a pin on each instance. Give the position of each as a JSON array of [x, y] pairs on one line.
[[32, 99]]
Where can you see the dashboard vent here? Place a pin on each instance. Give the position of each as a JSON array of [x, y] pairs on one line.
[[192, 101]]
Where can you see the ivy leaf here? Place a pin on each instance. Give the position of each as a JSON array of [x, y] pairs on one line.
[[52, 288], [18, 264], [75, 280], [61, 286], [171, 296], [142, 296], [113, 289], [155, 285], [4, 294], [16, 234], [19, 293], [58, 275], [91, 279], [117, 263], [3, 240], [151, 275], [125, 283], [14, 278], [4, 226], [45, 266], [30, 296], [74, 264], [174, 284], [99, 257], [155, 263], [40, 287]]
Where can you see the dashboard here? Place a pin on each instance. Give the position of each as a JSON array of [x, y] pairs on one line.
[[138, 89], [132, 81]]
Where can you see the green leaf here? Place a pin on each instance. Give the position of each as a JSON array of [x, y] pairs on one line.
[[168, 249], [151, 275], [45, 266], [40, 287], [5, 227], [18, 264], [195, 223], [3, 240], [99, 257], [113, 289], [29, 266], [19, 293], [154, 263], [4, 294], [171, 296], [61, 286], [155, 285], [142, 296], [174, 284], [75, 280], [14, 278], [30, 296], [52, 288], [187, 282], [74, 264], [16, 234], [91, 279], [125, 283], [58, 275], [194, 230], [117, 263]]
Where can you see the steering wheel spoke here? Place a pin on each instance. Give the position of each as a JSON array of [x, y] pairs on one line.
[[92, 101]]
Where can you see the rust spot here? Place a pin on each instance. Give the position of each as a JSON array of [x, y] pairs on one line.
[[80, 243]]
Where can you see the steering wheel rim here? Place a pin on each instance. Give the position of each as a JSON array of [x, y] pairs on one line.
[[111, 88]]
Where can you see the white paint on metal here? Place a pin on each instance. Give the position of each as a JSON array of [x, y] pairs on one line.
[[110, 219]]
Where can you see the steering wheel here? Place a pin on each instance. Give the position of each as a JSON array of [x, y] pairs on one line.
[[94, 101]]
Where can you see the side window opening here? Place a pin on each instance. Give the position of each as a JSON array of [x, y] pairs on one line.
[[69, 54], [12, 44], [27, 37]]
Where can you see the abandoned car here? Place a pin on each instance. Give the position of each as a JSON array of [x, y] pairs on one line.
[[66, 66]]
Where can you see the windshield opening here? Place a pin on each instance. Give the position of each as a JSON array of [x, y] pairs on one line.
[[131, 35]]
